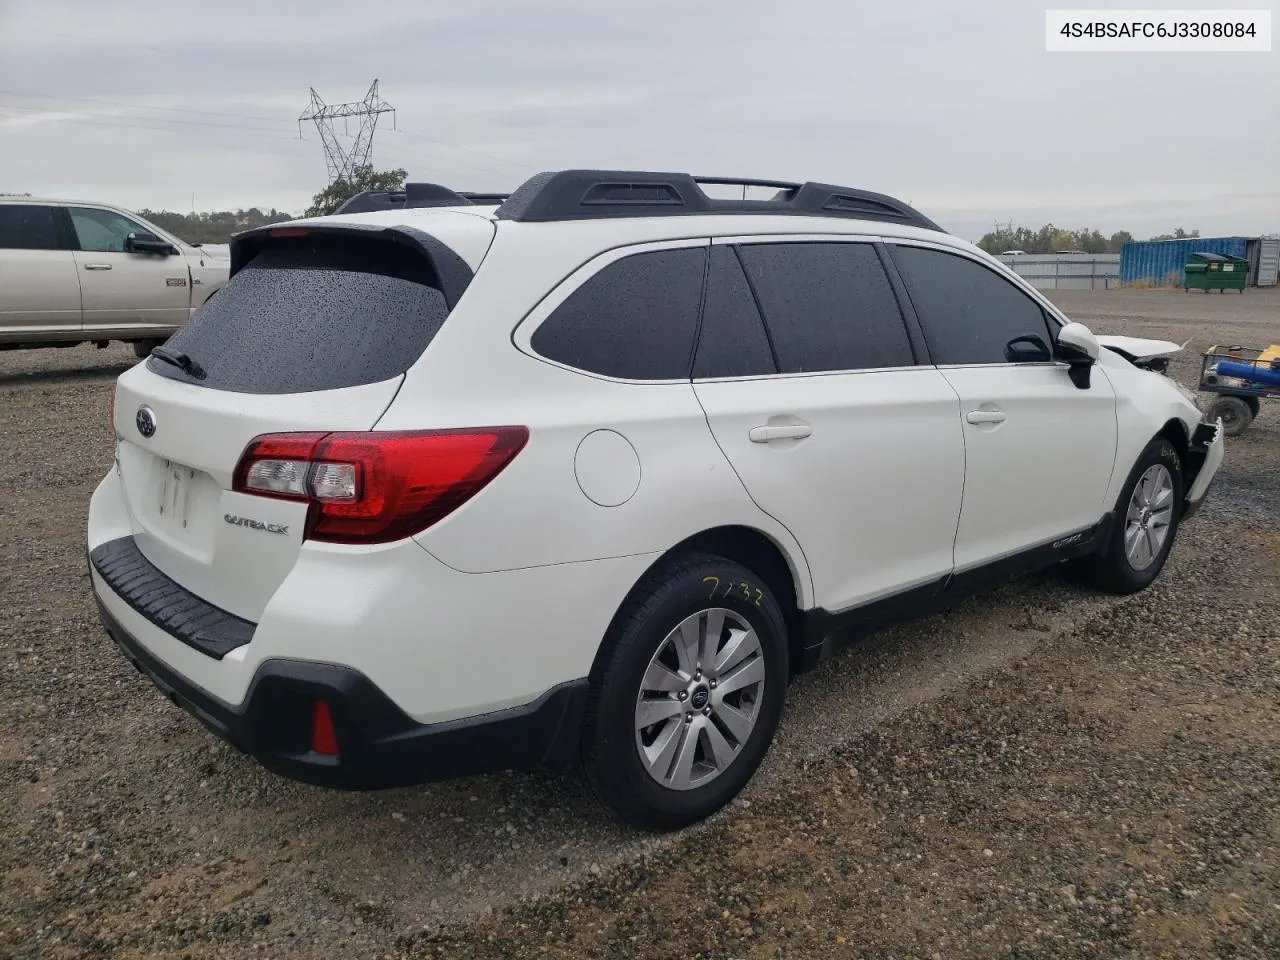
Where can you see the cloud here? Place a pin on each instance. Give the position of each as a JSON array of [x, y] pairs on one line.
[[955, 107]]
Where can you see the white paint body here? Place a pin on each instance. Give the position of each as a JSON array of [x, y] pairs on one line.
[[893, 485], [49, 296]]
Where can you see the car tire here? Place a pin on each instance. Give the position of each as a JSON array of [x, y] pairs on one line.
[[1145, 523], [1236, 414], [142, 348], [649, 667]]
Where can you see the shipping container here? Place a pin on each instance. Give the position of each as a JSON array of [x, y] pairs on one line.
[[1159, 263], [1268, 262]]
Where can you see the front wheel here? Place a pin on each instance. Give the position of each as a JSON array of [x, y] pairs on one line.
[[1145, 523], [686, 694]]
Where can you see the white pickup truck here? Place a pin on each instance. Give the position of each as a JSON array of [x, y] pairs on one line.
[[89, 273]]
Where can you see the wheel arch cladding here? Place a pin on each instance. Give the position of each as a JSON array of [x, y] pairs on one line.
[[757, 552]]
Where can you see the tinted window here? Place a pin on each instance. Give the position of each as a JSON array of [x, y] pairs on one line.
[[635, 319], [28, 227], [970, 314], [829, 306], [733, 342], [314, 314], [101, 231]]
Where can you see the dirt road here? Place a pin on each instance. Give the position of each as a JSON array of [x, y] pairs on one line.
[[1042, 772]]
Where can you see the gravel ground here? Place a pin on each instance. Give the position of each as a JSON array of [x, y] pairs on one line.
[[1041, 772]]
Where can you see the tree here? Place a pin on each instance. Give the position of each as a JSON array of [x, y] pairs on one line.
[[212, 226], [1051, 239], [340, 191], [1118, 240]]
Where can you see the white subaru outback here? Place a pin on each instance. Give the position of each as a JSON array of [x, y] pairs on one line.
[[583, 478]]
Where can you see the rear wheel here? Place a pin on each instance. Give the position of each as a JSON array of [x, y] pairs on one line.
[[1145, 524], [686, 694], [1235, 412]]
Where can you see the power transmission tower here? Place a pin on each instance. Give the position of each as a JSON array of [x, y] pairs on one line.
[[344, 162]]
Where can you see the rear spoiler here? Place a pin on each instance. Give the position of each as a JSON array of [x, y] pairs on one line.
[[452, 273], [414, 196]]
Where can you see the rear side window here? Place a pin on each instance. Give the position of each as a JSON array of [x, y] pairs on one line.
[[733, 341], [634, 320], [970, 314], [28, 227], [829, 306], [316, 313]]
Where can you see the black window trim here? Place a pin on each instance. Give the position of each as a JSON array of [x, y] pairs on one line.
[[915, 337], [570, 283], [1047, 310]]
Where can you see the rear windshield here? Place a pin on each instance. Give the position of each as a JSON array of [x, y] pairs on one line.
[[313, 313]]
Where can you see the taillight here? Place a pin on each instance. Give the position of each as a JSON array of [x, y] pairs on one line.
[[376, 487]]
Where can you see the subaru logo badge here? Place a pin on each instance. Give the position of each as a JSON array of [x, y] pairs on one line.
[[146, 421]]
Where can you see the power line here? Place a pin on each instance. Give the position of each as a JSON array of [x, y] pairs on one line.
[[142, 106], [478, 153], [453, 163], [240, 116], [147, 123]]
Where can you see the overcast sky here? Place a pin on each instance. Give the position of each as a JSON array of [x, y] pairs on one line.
[[949, 104]]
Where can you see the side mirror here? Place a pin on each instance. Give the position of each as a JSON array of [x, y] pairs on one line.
[[1078, 347], [147, 243]]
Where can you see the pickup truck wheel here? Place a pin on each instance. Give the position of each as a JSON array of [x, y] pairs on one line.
[[686, 693], [1145, 523]]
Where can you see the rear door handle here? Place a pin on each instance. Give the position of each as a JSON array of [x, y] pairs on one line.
[[97, 266], [985, 416], [780, 431]]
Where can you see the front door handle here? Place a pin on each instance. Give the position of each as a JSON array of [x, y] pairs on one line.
[[780, 431], [97, 266], [985, 416]]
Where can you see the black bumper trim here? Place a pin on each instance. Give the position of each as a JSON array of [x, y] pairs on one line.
[[379, 746], [166, 603]]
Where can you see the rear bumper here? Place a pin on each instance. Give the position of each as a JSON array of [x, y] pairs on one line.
[[378, 744], [1205, 459]]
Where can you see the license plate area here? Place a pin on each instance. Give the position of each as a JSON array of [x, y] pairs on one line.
[[173, 503], [178, 507]]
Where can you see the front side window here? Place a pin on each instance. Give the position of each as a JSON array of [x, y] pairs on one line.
[[970, 314], [101, 231], [635, 319]]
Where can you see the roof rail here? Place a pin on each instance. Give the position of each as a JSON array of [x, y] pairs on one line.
[[485, 198], [601, 194], [415, 196]]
